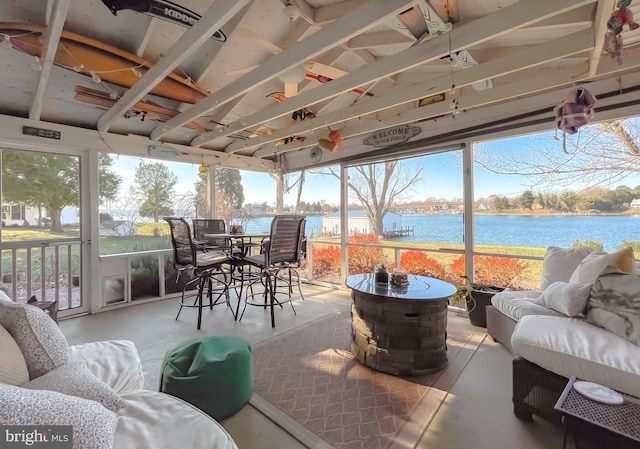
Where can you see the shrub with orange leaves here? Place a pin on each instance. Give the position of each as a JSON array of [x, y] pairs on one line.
[[493, 270], [417, 262], [326, 259], [364, 259]]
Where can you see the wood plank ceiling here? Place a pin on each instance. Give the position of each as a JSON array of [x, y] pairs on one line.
[[350, 66]]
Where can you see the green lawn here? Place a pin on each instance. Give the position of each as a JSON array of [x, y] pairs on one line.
[[108, 245], [156, 236]]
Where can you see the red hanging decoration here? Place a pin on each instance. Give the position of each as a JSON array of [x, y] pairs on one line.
[[620, 17]]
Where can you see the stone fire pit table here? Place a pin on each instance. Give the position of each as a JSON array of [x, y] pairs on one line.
[[400, 330]]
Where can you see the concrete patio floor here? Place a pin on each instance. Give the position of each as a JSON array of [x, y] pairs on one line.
[[476, 414]]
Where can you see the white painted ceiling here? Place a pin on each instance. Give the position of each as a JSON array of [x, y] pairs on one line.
[[518, 50]]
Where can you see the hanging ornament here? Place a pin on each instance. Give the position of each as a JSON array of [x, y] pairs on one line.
[[203, 168], [328, 145], [334, 136], [612, 39]]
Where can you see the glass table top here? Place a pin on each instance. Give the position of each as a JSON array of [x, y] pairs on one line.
[[420, 287]]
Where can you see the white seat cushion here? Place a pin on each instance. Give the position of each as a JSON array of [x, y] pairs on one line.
[[574, 347], [115, 362], [516, 304], [160, 421]]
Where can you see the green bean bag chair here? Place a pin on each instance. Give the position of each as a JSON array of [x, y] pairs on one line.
[[211, 373]]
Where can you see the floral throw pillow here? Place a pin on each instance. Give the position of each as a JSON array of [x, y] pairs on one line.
[[94, 426], [41, 341], [75, 379], [614, 303]]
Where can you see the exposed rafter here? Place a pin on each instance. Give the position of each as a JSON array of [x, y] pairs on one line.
[[478, 117], [219, 14], [530, 57], [210, 50], [502, 21], [549, 78], [50, 45], [334, 34], [603, 12]]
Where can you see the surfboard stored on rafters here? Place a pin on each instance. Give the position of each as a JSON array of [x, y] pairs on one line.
[[101, 61]]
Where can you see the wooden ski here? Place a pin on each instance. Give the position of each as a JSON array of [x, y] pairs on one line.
[[142, 109]]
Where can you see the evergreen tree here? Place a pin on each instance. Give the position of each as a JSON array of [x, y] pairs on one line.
[[527, 199], [154, 183]]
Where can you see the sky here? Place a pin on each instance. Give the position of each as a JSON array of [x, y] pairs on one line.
[[441, 177]]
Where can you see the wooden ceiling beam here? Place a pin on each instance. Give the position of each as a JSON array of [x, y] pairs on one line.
[[202, 62], [520, 103], [480, 30], [219, 14], [552, 78], [575, 17], [327, 14], [603, 12], [378, 39], [336, 33], [141, 46], [533, 56], [59, 9]]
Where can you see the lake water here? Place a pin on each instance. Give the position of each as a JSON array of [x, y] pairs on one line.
[[509, 230]]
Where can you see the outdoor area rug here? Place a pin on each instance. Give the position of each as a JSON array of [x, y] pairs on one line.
[[309, 383]]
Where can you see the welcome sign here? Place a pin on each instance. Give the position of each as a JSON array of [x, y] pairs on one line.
[[391, 136]]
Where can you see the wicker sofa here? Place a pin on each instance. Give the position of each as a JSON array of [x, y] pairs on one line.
[[552, 344]]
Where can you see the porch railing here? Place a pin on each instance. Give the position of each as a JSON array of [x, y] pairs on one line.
[[50, 271], [530, 279]]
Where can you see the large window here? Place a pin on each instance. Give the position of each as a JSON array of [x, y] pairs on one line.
[[136, 193], [412, 208], [316, 194], [11, 213], [132, 206], [536, 191]]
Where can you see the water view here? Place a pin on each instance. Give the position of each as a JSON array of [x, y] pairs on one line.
[[507, 230]]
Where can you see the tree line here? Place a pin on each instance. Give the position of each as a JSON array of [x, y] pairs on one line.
[[604, 200]]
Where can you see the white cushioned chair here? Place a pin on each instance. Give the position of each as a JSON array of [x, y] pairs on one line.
[[95, 387]]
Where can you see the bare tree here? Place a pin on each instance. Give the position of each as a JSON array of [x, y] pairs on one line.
[[601, 154], [126, 207], [185, 204], [377, 187]]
